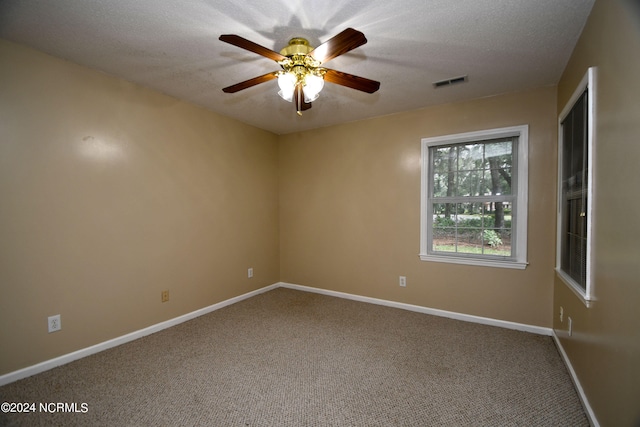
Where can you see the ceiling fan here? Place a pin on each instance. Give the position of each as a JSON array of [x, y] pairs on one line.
[[302, 78]]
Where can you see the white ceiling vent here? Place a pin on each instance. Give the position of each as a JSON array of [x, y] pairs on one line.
[[451, 81]]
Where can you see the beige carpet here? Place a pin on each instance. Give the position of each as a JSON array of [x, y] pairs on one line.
[[291, 358]]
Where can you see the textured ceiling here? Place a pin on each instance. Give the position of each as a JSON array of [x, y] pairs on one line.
[[173, 47]]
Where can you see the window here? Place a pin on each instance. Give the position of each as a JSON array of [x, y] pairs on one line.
[[575, 183], [474, 198]]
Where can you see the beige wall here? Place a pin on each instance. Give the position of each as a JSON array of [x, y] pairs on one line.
[[111, 193], [604, 348], [350, 210]]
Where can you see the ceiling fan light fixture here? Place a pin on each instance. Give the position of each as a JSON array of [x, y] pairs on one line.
[[287, 83], [299, 71], [313, 84]]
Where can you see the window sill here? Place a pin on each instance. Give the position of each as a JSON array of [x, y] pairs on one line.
[[571, 284], [518, 265]]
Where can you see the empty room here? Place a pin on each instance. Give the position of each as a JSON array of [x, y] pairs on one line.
[[292, 213]]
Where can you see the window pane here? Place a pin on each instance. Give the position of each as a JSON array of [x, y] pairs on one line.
[[498, 163], [577, 259], [573, 259], [499, 150], [444, 227], [496, 241], [470, 183], [444, 185], [472, 228], [444, 161], [471, 156], [440, 185], [444, 239], [578, 143]]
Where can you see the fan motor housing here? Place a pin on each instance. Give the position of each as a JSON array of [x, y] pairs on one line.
[[296, 46]]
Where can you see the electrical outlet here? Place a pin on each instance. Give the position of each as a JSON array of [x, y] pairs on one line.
[[165, 296], [54, 323], [250, 273], [570, 326], [403, 281], [561, 314]]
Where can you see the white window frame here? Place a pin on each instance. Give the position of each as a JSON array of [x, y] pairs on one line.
[[519, 230], [588, 83]]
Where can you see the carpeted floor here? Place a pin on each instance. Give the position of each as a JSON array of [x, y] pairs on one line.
[[292, 358]]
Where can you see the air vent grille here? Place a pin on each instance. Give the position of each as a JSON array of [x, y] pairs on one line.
[[451, 81]]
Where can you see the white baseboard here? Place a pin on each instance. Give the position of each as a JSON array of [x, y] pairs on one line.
[[70, 357], [576, 382], [432, 311], [79, 354]]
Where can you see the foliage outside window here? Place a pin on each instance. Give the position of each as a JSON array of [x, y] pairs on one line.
[[575, 189], [474, 198]]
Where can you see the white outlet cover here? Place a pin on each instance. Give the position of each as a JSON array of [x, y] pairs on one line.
[[54, 323]]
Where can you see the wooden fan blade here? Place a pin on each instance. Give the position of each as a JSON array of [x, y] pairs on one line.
[[243, 43], [251, 82], [342, 43], [298, 99], [349, 80]]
